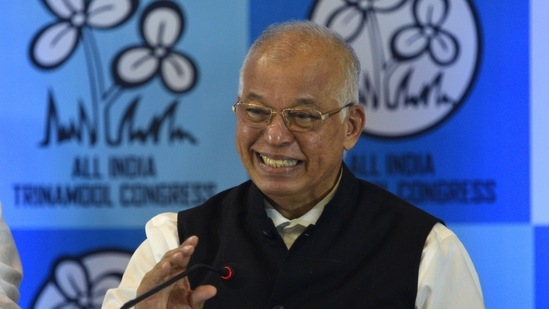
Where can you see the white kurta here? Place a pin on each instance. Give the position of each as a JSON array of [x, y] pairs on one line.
[[447, 277], [11, 271]]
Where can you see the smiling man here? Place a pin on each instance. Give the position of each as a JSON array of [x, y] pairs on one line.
[[304, 232], [294, 156]]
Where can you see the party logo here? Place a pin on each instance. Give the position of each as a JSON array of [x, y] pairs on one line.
[[419, 58], [106, 117]]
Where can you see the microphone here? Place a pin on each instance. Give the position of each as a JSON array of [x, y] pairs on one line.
[[226, 273]]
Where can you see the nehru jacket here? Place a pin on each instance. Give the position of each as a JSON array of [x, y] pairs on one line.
[[363, 252]]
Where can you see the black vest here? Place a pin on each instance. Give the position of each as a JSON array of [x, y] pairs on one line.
[[363, 252]]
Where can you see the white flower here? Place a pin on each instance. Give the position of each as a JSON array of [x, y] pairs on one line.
[[426, 35], [351, 17], [82, 282], [161, 28], [56, 42]]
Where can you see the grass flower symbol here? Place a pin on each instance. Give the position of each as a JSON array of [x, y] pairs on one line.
[[161, 28], [55, 43], [426, 35], [161, 24]]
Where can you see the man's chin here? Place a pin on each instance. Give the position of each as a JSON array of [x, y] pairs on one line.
[[277, 188]]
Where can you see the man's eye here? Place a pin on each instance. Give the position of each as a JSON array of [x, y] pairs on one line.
[[254, 111], [304, 116]]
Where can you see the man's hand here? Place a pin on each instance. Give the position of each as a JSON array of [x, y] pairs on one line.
[[179, 294]]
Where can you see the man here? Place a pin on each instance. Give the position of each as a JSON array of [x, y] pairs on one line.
[[11, 271], [304, 232]]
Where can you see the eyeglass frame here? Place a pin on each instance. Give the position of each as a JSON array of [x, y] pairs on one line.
[[287, 122]]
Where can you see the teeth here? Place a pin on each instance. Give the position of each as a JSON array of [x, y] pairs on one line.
[[278, 163]]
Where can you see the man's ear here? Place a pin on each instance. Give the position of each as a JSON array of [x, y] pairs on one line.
[[355, 124]]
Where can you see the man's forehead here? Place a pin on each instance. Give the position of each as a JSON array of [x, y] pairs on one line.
[[304, 100]]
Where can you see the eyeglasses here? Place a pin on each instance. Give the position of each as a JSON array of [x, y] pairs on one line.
[[296, 119]]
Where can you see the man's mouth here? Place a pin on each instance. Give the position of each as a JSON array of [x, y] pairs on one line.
[[278, 163]]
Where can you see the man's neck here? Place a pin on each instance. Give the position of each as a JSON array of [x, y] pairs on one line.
[[292, 209]]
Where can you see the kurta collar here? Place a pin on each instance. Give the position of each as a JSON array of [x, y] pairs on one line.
[[310, 217]]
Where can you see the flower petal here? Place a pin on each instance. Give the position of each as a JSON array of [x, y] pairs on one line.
[[348, 21], [72, 279], [68, 306], [408, 43], [135, 66], [50, 297], [178, 73], [101, 286], [387, 5], [110, 13], [162, 24], [431, 12], [65, 8], [53, 45], [444, 48]]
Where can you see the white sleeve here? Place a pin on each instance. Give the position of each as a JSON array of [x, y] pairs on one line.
[[447, 276], [11, 270], [161, 232]]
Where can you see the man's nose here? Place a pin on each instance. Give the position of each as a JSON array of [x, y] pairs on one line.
[[277, 132]]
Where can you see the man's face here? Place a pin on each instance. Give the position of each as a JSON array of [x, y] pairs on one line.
[[294, 169]]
